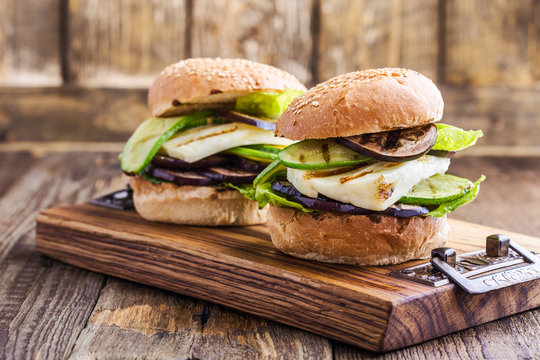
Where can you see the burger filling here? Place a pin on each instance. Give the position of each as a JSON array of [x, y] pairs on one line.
[[399, 173], [227, 147]]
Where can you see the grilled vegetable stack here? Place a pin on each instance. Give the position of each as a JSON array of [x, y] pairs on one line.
[[211, 135], [366, 183]]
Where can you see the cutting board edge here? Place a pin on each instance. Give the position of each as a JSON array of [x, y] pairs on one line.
[[385, 341], [372, 342], [518, 298]]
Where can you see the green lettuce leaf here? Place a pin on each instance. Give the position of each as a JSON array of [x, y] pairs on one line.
[[451, 138], [246, 190], [265, 195], [270, 173], [452, 205], [266, 103]]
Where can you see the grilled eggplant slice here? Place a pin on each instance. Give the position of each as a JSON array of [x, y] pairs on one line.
[[235, 176], [172, 163], [324, 203], [265, 124], [396, 145], [180, 177]]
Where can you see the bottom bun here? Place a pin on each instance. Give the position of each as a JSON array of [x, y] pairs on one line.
[[194, 205], [355, 239]]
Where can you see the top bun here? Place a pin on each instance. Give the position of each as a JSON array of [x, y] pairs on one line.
[[362, 102], [197, 83]]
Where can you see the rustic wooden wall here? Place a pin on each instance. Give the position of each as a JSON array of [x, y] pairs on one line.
[[77, 70]]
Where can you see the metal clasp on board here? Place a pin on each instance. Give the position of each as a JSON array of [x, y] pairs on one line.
[[503, 263]]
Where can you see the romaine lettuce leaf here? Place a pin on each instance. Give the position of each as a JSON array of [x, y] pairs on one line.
[[246, 190], [451, 138], [265, 195], [452, 205], [266, 103]]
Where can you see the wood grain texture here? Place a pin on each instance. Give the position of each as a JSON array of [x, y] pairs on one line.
[[365, 34], [507, 117], [134, 321], [273, 32], [43, 304], [29, 42], [239, 267], [13, 162], [233, 335], [509, 338], [71, 114], [511, 184], [124, 43], [493, 42]]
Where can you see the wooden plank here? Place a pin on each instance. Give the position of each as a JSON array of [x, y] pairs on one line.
[[240, 268], [202, 282], [53, 312], [506, 116], [232, 335], [366, 34], [510, 338], [508, 198], [13, 170], [29, 42], [273, 32], [492, 43], [44, 304], [40, 188], [134, 321], [71, 114], [40, 148], [124, 43]]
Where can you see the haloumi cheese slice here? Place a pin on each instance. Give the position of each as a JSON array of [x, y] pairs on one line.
[[197, 143], [374, 187]]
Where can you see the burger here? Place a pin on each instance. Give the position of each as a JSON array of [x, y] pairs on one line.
[[211, 134], [366, 181]]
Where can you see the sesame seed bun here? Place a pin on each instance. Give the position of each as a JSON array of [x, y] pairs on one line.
[[362, 102], [365, 240], [202, 83]]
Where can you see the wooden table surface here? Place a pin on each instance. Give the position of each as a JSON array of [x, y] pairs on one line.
[[50, 310]]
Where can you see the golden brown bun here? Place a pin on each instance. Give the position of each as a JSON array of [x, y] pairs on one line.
[[184, 86], [193, 205], [355, 239], [362, 102]]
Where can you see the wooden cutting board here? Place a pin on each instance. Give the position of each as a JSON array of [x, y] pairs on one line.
[[238, 267]]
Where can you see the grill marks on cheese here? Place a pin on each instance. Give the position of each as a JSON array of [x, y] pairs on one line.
[[374, 187], [344, 179], [221, 132], [384, 190], [197, 143]]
